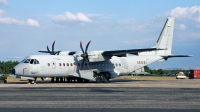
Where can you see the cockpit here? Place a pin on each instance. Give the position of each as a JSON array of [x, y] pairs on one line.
[[31, 61]]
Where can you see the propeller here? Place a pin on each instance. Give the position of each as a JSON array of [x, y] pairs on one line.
[[85, 54], [53, 52]]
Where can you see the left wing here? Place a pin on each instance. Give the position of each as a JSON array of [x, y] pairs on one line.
[[130, 51]]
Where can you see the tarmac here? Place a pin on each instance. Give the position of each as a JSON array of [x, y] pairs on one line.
[[179, 83], [119, 95]]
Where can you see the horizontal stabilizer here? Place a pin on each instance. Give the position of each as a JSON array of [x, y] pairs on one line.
[[173, 56]]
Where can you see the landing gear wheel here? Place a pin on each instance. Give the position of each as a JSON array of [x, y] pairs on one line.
[[98, 79], [5, 81], [31, 82], [105, 80]]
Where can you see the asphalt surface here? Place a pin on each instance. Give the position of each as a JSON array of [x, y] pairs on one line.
[[149, 96]]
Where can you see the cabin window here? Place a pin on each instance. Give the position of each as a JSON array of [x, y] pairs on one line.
[[71, 64], [116, 64], [60, 64], [48, 64], [63, 64], [119, 64], [67, 64]]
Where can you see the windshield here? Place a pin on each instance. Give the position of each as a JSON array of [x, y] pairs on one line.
[[31, 61], [26, 61], [34, 61]]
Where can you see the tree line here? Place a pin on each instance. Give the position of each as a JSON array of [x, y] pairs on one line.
[[7, 66], [164, 72]]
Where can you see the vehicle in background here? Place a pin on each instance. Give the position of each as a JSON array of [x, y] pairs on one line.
[[180, 75], [194, 74]]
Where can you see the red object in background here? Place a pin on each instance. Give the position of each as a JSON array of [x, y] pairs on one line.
[[194, 74]]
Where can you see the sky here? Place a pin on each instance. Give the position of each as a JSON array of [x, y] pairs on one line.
[[28, 26]]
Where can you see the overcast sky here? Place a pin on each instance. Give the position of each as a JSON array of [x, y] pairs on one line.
[[27, 26]]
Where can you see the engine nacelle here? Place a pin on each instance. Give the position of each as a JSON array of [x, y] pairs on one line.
[[96, 56]]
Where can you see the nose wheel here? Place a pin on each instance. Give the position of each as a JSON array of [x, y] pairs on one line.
[[31, 82]]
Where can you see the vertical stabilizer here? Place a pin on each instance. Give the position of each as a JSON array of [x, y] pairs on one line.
[[165, 39]]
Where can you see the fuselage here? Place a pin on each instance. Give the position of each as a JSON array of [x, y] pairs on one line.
[[66, 66]]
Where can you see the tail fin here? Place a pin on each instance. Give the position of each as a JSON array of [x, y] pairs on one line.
[[165, 39]]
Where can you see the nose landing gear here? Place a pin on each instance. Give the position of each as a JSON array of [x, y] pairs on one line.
[[31, 82]]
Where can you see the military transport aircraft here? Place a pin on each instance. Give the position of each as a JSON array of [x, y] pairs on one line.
[[99, 66]]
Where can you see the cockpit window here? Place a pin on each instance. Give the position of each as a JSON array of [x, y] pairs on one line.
[[32, 60], [23, 60], [27, 61], [36, 62]]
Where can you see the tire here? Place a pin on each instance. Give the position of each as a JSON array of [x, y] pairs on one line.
[[105, 80], [5, 81], [98, 79], [31, 81]]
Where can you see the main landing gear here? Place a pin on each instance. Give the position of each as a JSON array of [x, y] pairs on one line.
[[102, 78]]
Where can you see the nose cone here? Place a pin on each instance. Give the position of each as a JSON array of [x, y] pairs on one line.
[[13, 71]]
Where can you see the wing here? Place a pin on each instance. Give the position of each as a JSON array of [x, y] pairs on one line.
[[44, 51], [130, 51], [58, 52]]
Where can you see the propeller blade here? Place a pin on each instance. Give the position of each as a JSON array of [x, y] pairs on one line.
[[87, 46], [48, 50], [85, 55], [81, 46], [53, 48], [87, 63], [82, 63]]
